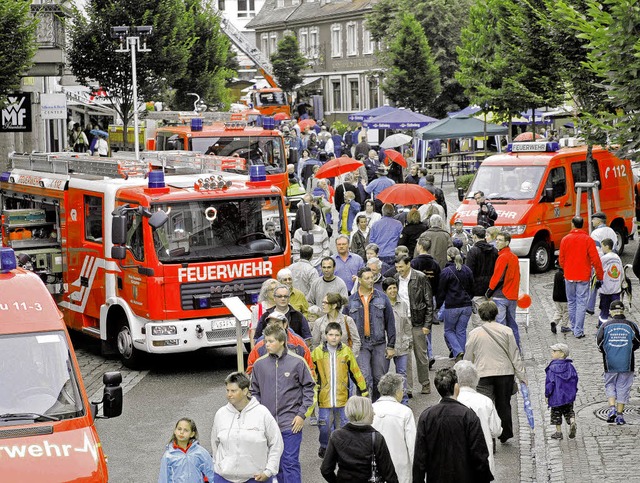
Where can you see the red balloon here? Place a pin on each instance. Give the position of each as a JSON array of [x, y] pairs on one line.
[[524, 301]]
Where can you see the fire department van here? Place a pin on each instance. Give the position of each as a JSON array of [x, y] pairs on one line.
[[537, 188], [140, 262], [260, 146], [47, 430]]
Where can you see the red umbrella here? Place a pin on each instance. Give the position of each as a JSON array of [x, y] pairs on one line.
[[306, 123], [526, 136], [406, 195], [280, 116], [338, 166], [394, 156]]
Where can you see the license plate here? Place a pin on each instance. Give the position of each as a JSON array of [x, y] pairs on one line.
[[225, 323]]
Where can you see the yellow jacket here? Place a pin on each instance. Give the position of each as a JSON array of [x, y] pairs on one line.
[[333, 370]]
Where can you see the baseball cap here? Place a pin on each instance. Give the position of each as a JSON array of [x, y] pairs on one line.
[[599, 214], [277, 316], [616, 305], [564, 348]]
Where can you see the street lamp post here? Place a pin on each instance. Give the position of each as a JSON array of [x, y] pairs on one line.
[[131, 43]]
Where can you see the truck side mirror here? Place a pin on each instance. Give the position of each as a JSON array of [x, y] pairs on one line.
[[118, 229], [304, 215], [118, 252], [158, 219], [548, 195], [461, 193], [112, 396]]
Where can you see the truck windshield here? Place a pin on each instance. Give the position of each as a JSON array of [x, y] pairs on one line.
[[220, 229], [258, 150], [37, 378], [507, 182], [270, 99]]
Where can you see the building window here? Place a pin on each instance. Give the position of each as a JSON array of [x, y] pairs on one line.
[[367, 44], [273, 43], [336, 95], [221, 5], [264, 44], [246, 8], [374, 100], [336, 40], [352, 39], [303, 41], [314, 43], [354, 91]]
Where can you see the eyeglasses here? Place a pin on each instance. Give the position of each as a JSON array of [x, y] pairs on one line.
[[281, 296], [286, 279]]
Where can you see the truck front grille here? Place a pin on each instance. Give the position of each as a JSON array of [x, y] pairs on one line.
[[246, 289]]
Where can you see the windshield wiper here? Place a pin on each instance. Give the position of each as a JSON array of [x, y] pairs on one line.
[[502, 198], [34, 416]]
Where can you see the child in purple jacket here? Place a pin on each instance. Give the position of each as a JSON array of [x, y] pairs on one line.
[[561, 386]]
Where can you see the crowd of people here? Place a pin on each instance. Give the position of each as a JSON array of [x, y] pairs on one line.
[[339, 337]]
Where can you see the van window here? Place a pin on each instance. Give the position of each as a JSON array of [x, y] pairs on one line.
[[558, 181], [579, 172], [135, 239]]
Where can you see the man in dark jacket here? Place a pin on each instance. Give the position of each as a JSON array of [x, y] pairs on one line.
[[487, 214], [481, 259], [435, 191], [415, 291], [346, 185], [450, 445], [297, 322]]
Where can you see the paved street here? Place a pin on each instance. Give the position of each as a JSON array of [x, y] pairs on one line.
[[192, 385]]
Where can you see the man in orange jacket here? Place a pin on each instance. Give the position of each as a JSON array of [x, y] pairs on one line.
[[505, 284], [578, 254]]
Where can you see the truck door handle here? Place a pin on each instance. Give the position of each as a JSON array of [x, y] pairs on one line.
[[568, 203]]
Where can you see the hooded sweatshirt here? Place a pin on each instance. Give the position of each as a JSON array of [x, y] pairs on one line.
[[246, 442], [481, 259], [561, 384]]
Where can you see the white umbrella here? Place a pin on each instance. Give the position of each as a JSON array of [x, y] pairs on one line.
[[395, 140]]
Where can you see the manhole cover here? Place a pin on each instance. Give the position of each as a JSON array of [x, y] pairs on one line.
[[631, 414]]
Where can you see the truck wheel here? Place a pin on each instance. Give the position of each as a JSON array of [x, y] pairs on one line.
[[620, 235], [131, 357], [541, 256]]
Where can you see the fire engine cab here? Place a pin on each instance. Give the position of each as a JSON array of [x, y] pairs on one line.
[[47, 430], [537, 187], [141, 259]]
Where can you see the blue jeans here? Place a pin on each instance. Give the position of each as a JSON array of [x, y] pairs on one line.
[[219, 479], [373, 364], [455, 328], [577, 299], [290, 460], [330, 419], [605, 302], [507, 315], [401, 368]]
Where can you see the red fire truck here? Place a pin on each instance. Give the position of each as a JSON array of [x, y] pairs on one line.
[[260, 146], [144, 263]]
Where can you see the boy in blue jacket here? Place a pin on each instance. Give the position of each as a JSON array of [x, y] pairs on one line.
[[561, 386], [618, 338]]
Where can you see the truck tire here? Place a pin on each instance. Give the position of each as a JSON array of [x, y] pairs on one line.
[[130, 356], [541, 256]]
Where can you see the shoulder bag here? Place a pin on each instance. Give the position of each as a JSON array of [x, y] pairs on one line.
[[474, 304], [514, 389], [375, 475]]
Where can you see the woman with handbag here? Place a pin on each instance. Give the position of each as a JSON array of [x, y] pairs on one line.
[[359, 451], [492, 348]]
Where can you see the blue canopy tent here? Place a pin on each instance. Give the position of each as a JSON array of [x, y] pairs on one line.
[[371, 113], [400, 119]]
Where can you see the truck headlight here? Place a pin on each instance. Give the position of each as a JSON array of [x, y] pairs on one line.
[[164, 330], [514, 229]]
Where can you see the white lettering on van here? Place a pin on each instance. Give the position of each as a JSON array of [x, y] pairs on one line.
[[507, 214], [50, 449]]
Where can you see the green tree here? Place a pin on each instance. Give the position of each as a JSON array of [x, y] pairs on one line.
[[412, 78], [207, 72], [17, 42], [288, 63], [93, 56]]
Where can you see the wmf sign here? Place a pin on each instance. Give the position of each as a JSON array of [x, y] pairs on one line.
[[16, 114]]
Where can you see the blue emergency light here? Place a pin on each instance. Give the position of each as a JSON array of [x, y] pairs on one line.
[[201, 301], [5, 176], [196, 124], [533, 147], [257, 172], [7, 260], [268, 122], [156, 179]]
